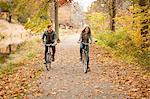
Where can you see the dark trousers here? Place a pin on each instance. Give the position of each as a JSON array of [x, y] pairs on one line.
[[53, 51], [81, 49]]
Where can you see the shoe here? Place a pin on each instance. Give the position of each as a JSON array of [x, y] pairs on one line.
[[53, 59], [88, 69], [80, 59]]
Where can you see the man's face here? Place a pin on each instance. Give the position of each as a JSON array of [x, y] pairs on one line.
[[50, 29]]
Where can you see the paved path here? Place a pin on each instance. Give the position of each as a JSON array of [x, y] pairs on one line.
[[66, 79]]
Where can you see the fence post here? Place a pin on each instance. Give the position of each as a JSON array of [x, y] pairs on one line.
[[10, 49]]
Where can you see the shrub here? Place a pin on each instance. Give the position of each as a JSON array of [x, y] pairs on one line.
[[125, 42]]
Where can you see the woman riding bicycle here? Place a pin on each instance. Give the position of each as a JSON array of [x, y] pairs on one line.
[[85, 37]]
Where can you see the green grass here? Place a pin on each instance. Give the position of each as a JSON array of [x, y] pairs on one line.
[[10, 68], [123, 47], [26, 52], [31, 55], [2, 59]]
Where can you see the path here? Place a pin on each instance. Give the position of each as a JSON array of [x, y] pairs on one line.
[[66, 79]]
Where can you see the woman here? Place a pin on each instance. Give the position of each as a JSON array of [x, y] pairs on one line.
[[85, 37]]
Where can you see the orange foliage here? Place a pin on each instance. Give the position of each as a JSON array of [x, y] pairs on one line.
[[62, 2]]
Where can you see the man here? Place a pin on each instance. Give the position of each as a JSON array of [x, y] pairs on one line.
[[49, 37]]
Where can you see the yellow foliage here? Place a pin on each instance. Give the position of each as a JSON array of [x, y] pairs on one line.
[[127, 40]]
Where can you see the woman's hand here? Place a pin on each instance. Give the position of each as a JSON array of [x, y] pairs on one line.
[[78, 42]]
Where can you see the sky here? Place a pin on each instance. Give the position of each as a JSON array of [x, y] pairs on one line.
[[85, 3]]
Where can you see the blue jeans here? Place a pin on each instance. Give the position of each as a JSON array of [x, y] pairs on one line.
[[87, 49]]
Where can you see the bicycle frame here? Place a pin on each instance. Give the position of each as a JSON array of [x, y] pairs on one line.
[[85, 57], [49, 53], [48, 56]]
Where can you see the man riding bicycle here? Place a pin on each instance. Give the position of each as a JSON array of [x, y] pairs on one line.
[[49, 37]]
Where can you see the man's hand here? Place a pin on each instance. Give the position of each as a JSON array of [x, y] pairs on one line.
[[42, 42], [55, 43]]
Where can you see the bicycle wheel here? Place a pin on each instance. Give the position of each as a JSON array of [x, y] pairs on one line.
[[48, 61], [84, 61]]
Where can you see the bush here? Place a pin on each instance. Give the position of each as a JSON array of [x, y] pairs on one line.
[[123, 47], [111, 39], [37, 24], [125, 42]]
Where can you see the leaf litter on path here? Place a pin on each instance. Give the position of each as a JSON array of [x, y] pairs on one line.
[[130, 78]]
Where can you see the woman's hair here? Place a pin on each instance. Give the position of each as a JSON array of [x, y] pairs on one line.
[[83, 31]]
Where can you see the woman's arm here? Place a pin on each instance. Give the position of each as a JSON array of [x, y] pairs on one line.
[[80, 38], [91, 40]]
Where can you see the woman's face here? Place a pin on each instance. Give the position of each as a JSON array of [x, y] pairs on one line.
[[86, 30]]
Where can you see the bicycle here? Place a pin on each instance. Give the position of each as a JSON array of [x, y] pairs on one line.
[[49, 56], [85, 57]]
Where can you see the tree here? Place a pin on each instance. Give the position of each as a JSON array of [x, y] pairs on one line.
[[106, 6], [141, 14], [145, 6], [111, 7], [112, 15], [39, 20], [6, 7]]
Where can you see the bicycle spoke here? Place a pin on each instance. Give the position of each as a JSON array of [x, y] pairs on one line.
[[84, 62], [48, 61]]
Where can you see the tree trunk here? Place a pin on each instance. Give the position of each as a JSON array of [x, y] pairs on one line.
[[112, 15], [56, 20], [9, 18], [10, 49], [144, 31]]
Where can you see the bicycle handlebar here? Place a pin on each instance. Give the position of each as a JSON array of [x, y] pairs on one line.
[[85, 43], [49, 44]]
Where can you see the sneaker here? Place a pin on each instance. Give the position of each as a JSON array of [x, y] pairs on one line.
[[53, 59], [88, 69], [80, 59]]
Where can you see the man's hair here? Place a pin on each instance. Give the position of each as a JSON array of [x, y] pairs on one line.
[[49, 26]]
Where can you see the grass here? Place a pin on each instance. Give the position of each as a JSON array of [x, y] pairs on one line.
[[2, 59], [31, 55], [24, 57], [2, 36], [10, 68], [25, 53], [123, 48]]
